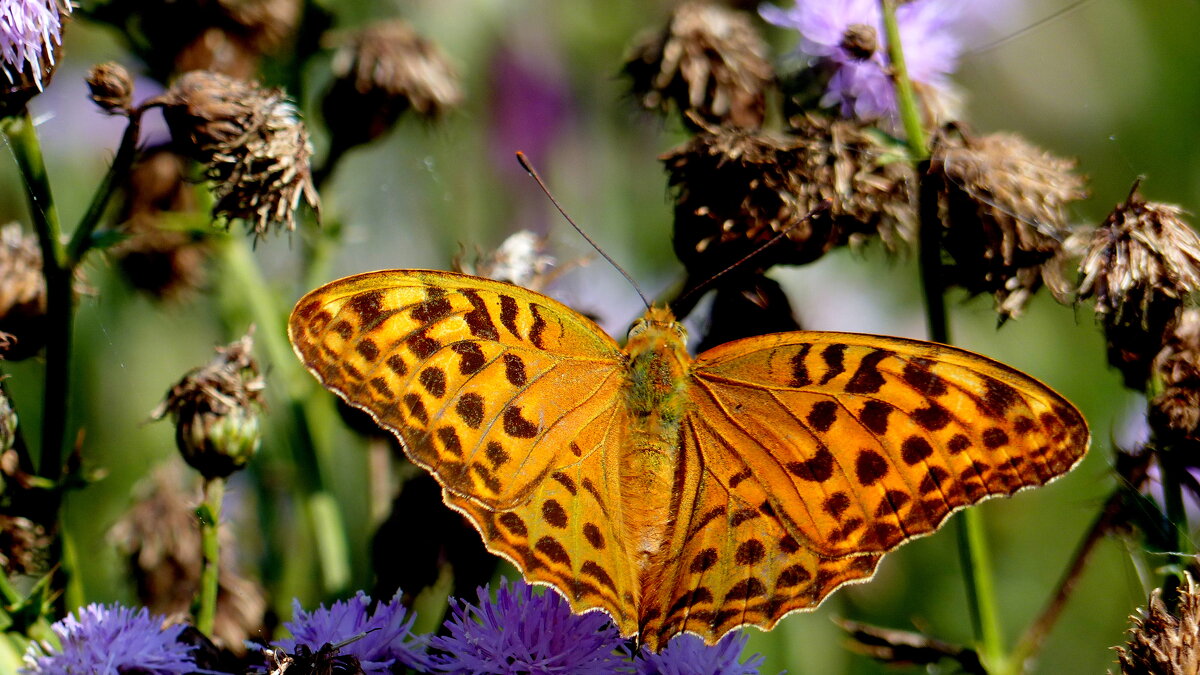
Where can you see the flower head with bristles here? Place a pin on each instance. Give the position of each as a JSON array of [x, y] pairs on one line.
[[30, 39], [845, 38], [110, 640], [525, 632]]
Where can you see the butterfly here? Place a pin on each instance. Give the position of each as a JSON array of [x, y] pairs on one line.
[[678, 493]]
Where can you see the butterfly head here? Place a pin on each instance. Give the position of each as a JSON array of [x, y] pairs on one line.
[[656, 325]]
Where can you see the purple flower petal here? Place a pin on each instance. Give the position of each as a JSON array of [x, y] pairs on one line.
[[688, 655], [522, 633], [29, 29], [386, 632], [107, 640]]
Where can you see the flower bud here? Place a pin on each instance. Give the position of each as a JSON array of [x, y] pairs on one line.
[[111, 87], [216, 411]]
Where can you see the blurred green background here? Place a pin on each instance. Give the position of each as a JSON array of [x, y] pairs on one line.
[[1110, 82]]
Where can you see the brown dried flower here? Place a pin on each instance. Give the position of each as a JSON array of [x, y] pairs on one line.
[[225, 36], [1139, 266], [1162, 642], [1002, 202], [520, 259], [216, 411], [736, 190], [160, 537], [710, 61], [111, 87], [166, 262], [1175, 411], [255, 148], [22, 293], [380, 72]]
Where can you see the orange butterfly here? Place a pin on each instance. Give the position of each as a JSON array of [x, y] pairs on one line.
[[678, 493]]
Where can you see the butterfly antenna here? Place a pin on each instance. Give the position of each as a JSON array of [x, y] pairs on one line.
[[822, 206], [525, 164]]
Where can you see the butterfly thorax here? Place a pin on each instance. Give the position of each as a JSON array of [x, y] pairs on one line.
[[656, 398]]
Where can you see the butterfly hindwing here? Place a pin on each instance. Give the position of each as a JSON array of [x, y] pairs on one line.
[[862, 442]]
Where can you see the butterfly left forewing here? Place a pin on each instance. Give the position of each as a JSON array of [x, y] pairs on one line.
[[512, 400], [863, 442]]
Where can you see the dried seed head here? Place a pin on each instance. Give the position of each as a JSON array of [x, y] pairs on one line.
[[1139, 266], [111, 87], [166, 262], [1162, 642], [30, 46], [22, 293], [255, 148], [1002, 202], [860, 41], [226, 36], [1175, 411], [161, 541], [23, 546], [710, 61], [380, 72], [521, 259], [736, 190], [216, 411]]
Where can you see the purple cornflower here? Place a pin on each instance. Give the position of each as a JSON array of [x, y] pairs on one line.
[[688, 655], [388, 641], [520, 633], [107, 640], [847, 37], [29, 31]]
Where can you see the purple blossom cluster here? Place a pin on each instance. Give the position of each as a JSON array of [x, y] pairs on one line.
[[109, 640], [520, 632], [29, 30], [860, 83]]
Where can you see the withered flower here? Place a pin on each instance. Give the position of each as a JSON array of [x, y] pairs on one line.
[[225, 36], [710, 61], [161, 541], [1175, 411], [1002, 203], [520, 259], [1162, 642], [379, 73], [23, 546], [111, 87], [216, 411], [30, 44], [22, 293], [1139, 266], [8, 425], [255, 148], [162, 260], [736, 190]]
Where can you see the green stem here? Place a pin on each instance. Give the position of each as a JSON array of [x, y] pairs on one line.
[[906, 99], [59, 304], [311, 452], [81, 239], [209, 514], [972, 539], [1172, 468]]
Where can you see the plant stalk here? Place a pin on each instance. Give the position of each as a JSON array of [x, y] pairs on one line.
[[209, 515], [973, 550]]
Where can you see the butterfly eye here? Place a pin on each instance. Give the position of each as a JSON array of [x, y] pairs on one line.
[[637, 328]]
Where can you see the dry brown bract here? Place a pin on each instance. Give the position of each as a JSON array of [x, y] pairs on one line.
[[255, 149], [736, 190], [379, 73], [111, 87], [1175, 411], [710, 61], [1139, 266], [22, 293], [1003, 206], [1165, 643]]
